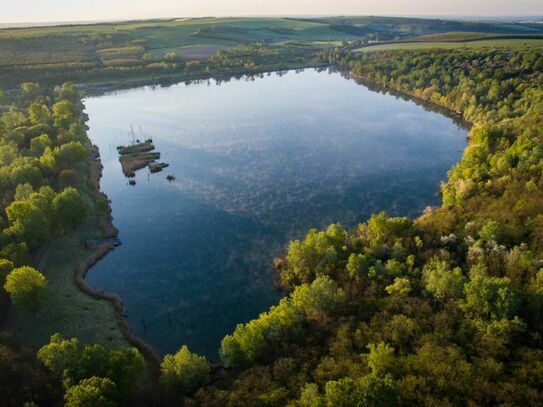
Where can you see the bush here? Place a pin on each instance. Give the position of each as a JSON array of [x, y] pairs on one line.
[[184, 372], [27, 288]]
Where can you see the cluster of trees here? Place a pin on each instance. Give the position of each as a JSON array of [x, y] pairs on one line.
[[43, 193], [442, 310], [42, 154], [91, 375], [389, 315]]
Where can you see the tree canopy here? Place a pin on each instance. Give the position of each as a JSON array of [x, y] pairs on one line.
[[26, 287]]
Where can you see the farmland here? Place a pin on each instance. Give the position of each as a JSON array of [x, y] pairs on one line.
[[162, 49], [455, 42]]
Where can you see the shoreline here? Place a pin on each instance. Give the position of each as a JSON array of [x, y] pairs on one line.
[[105, 223], [377, 86], [99, 88]]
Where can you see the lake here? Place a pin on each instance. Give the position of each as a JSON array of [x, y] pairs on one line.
[[257, 162]]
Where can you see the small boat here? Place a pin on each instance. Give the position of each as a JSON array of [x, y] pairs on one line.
[[132, 182], [170, 178]]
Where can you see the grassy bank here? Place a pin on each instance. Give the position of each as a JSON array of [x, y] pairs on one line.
[[67, 309]]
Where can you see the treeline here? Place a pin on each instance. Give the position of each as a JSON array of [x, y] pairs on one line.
[[442, 310], [133, 62], [42, 156]]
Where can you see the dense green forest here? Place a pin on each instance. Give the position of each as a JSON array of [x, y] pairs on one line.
[[44, 160], [445, 309], [442, 310]]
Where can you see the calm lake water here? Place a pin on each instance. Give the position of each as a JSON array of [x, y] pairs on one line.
[[257, 162]]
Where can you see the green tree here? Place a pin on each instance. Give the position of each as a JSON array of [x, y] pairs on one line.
[[491, 230], [26, 287], [319, 298], [13, 119], [245, 344], [441, 281], [31, 218], [63, 114], [49, 162], [310, 397], [124, 366], [39, 143], [370, 391], [400, 287], [304, 257], [30, 89], [68, 91], [381, 358], [184, 372], [39, 114], [72, 362], [342, 393], [91, 392], [23, 192], [378, 391], [358, 265], [26, 173], [70, 153], [488, 298], [69, 208]]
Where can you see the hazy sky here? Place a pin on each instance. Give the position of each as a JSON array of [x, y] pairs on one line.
[[67, 10]]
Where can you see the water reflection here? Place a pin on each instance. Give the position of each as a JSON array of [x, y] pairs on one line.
[[257, 162]]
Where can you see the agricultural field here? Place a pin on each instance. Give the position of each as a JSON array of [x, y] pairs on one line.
[[483, 43], [142, 43]]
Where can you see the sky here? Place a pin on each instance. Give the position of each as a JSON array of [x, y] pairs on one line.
[[90, 10]]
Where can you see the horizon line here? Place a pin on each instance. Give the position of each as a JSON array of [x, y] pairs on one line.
[[51, 23]]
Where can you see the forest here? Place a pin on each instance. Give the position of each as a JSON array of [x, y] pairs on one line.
[[445, 309]]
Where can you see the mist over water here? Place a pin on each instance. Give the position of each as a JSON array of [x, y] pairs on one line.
[[257, 162]]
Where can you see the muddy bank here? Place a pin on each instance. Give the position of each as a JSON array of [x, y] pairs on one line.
[[130, 163], [105, 220], [149, 354]]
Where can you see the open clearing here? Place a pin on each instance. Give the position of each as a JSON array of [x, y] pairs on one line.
[[67, 310]]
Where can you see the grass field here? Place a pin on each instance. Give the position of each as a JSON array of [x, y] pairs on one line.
[[491, 43], [67, 310]]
